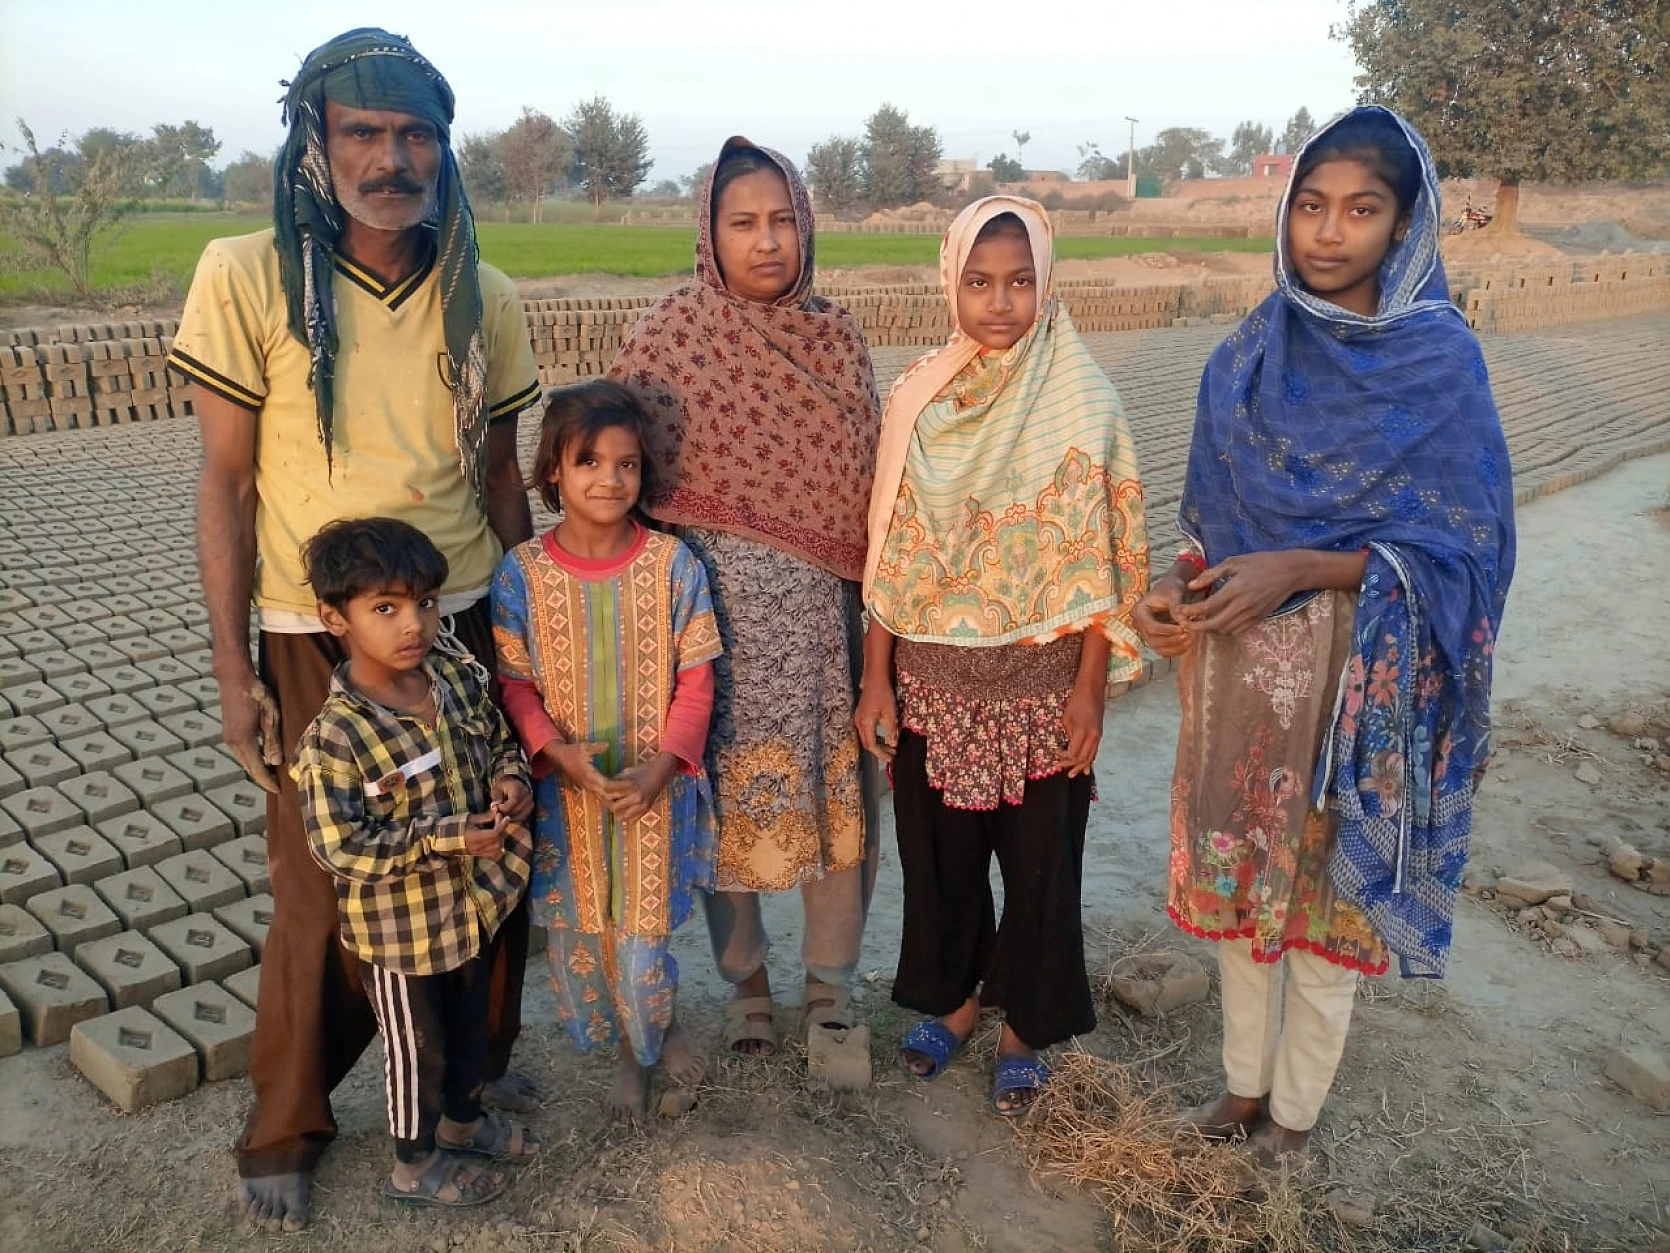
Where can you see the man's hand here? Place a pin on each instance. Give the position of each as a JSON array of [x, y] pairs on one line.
[[249, 727]]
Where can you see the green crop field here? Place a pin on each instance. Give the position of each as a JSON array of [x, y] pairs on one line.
[[156, 252]]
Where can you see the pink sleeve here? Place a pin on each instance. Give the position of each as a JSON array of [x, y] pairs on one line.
[[687, 718], [525, 708]]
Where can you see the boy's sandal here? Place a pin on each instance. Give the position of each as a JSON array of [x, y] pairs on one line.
[[742, 1029], [1014, 1075], [498, 1138], [452, 1182], [935, 1041], [828, 1005]]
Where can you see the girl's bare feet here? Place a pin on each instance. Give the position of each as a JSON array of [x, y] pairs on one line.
[[629, 1098], [1227, 1118], [960, 1022], [1274, 1146], [684, 1060]]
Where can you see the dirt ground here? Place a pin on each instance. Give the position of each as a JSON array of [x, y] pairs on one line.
[[1478, 1105]]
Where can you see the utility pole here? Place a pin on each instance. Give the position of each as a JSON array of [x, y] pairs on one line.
[[1131, 159]]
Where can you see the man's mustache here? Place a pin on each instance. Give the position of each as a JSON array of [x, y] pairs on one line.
[[404, 186]]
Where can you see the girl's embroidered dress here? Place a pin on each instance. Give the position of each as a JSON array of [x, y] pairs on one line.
[[600, 652]]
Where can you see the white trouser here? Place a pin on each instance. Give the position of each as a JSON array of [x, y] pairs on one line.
[[1283, 1036]]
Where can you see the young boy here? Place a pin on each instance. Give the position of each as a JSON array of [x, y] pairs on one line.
[[415, 796]]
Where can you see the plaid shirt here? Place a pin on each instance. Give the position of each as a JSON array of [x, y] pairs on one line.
[[385, 797]]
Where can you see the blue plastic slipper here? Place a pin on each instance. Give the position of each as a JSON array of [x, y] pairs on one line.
[[1017, 1074], [935, 1041]]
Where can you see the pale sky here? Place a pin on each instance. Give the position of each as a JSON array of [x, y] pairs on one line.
[[785, 74]]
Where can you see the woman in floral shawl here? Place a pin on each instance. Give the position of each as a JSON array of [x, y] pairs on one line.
[[1349, 513], [766, 418]]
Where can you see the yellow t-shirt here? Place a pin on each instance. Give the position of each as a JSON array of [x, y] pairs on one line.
[[394, 443]]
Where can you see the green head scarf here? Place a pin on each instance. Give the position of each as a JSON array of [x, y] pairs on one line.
[[369, 68]]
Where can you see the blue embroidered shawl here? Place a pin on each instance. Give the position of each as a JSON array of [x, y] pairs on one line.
[[1324, 429]]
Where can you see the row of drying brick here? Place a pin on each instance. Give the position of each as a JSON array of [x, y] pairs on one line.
[[55, 387], [143, 1052]]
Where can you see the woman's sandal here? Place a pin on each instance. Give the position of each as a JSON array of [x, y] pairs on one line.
[[444, 1176], [1017, 1074], [494, 1140], [740, 1028], [828, 1005], [935, 1041]]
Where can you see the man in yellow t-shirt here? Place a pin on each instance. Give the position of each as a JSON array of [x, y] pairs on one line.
[[356, 360]]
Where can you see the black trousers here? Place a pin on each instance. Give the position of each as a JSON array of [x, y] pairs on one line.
[[435, 1040], [1031, 964]]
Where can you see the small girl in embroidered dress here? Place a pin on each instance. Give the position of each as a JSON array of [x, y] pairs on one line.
[[1349, 511], [606, 638], [1007, 551]]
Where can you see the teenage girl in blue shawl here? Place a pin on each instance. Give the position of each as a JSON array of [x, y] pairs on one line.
[[1349, 515]]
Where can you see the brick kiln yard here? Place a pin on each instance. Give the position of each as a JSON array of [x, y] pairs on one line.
[[1522, 1101]]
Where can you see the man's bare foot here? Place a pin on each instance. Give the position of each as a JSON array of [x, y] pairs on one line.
[[513, 1092], [755, 985], [682, 1057], [275, 1203], [1274, 1146], [1227, 1118], [629, 1098], [960, 1022]]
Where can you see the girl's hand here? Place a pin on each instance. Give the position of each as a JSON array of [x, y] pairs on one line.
[[1155, 617], [512, 800], [1082, 720], [1254, 585], [877, 718], [632, 792], [575, 763]]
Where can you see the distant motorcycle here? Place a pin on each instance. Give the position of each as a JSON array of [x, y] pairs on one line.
[[1471, 219]]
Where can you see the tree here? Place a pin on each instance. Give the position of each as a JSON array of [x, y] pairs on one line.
[[667, 189], [53, 230], [1300, 127], [175, 156], [1249, 140], [1005, 169], [1022, 139], [835, 168], [1097, 167], [900, 160], [611, 150], [482, 169], [697, 179], [129, 150], [533, 153], [1521, 91], [62, 168], [249, 180], [1182, 152]]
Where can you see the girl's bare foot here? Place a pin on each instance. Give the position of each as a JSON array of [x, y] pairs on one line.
[[629, 1098], [1274, 1146], [960, 1022], [275, 1203], [1227, 1118], [682, 1057]]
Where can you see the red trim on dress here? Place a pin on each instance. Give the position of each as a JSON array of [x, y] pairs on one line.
[[1270, 957], [593, 569]]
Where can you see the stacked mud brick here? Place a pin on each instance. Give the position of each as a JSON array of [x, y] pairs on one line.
[[73, 377], [1531, 296], [66, 377], [134, 898]]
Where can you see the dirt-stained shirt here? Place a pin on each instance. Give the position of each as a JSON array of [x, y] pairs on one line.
[[395, 443]]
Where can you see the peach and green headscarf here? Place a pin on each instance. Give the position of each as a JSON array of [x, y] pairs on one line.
[[1007, 507]]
